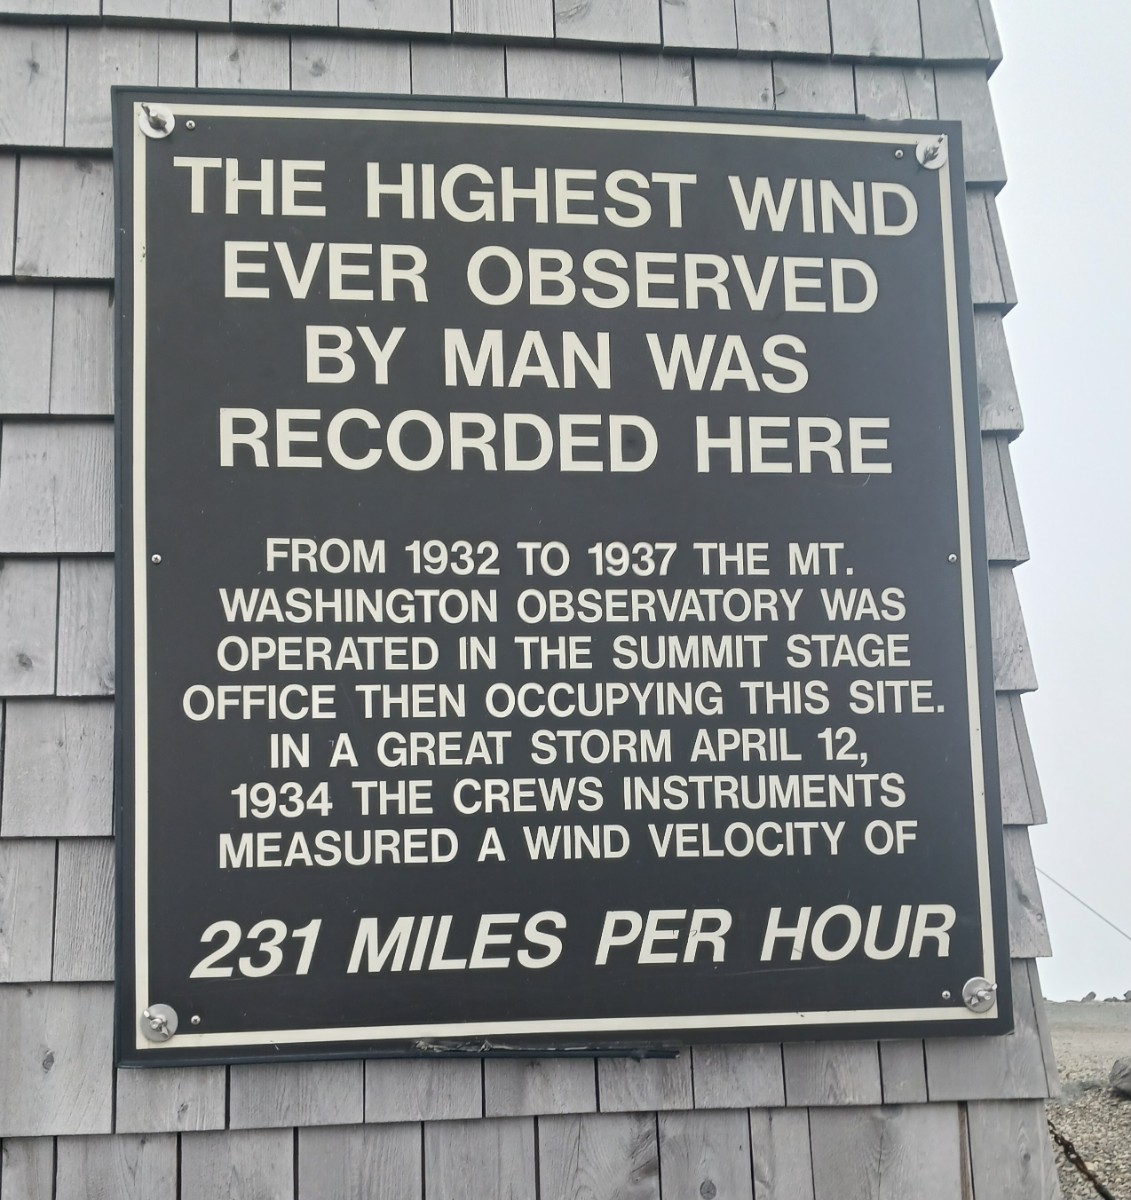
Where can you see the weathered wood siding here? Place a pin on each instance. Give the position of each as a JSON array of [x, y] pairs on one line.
[[833, 1121]]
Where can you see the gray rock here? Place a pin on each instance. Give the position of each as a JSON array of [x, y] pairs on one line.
[[1087, 998], [1127, 995], [1120, 1077]]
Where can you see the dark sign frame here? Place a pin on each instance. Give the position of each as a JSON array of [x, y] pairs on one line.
[[149, 478]]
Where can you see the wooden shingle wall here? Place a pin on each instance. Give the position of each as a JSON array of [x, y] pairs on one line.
[[827, 1121]]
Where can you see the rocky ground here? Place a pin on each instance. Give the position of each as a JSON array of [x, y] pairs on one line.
[[1088, 1038]]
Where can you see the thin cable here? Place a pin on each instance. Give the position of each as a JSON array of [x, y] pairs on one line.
[[1084, 903]]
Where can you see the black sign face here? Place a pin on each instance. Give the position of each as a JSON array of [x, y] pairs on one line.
[[553, 594]]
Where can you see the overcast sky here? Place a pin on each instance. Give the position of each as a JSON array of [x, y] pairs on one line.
[[1065, 122]]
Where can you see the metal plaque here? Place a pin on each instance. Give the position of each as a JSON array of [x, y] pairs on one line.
[[553, 590]]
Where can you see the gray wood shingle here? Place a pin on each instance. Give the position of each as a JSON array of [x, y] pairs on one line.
[[1044, 1033], [635, 1085], [989, 27], [705, 1154], [27, 899], [1021, 800], [56, 1042], [1000, 250], [841, 1073], [399, 16], [26, 314], [196, 11], [734, 83], [245, 1165], [628, 23], [84, 911], [1010, 1152], [699, 24], [238, 60], [66, 224], [58, 768], [997, 389], [781, 1149], [801, 86], [176, 58], [360, 1161], [1013, 662], [51, 8], [170, 1099], [319, 13], [876, 28], [894, 93], [423, 1089], [98, 59], [333, 65], [783, 26], [33, 77], [1005, 530], [27, 1167], [7, 212], [602, 1156], [963, 94], [537, 74], [266, 1095], [86, 628], [520, 1087], [741, 1076], [903, 1072], [57, 350], [991, 278], [126, 1167], [439, 69], [1028, 929], [28, 597], [889, 1153], [953, 29], [480, 1158], [82, 352], [986, 283], [57, 488], [657, 79], [504, 18]]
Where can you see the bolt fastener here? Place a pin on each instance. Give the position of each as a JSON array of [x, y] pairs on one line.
[[158, 1022], [979, 995], [155, 120], [931, 152], [155, 558], [190, 124], [899, 154], [952, 558]]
